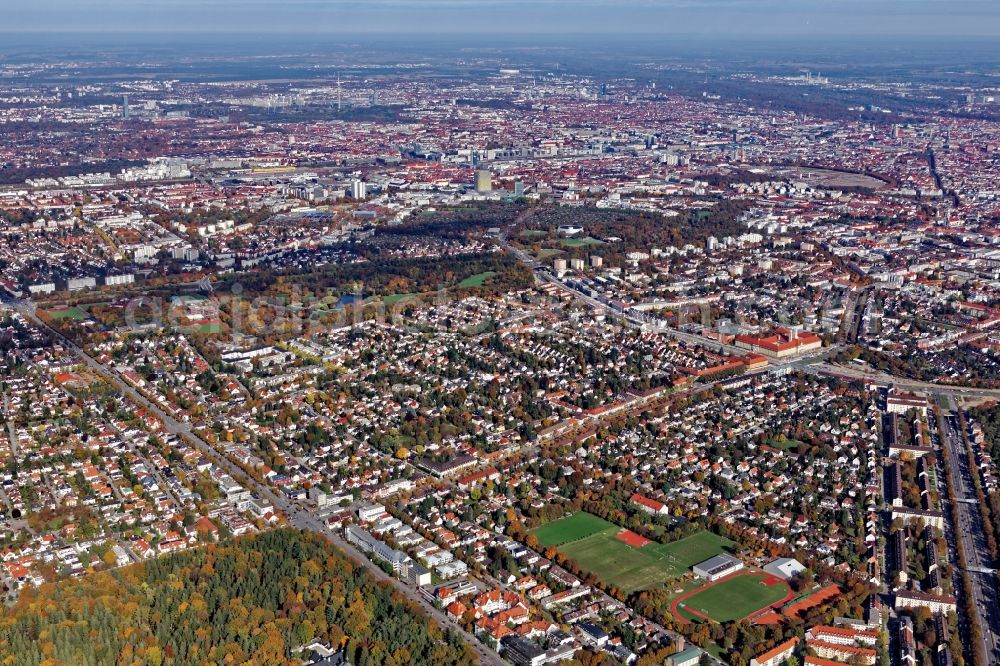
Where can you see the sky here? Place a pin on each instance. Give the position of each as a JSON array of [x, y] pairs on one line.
[[710, 18]]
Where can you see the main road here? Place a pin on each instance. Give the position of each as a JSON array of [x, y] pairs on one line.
[[971, 533], [884, 379], [636, 318], [815, 363]]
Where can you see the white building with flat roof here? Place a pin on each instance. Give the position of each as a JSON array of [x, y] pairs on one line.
[[717, 567], [785, 568]]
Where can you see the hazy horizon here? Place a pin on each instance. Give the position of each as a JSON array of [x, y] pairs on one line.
[[710, 18]]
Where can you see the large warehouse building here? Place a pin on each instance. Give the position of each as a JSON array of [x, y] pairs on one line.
[[717, 567]]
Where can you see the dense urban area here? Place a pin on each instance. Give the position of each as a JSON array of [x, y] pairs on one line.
[[497, 359]]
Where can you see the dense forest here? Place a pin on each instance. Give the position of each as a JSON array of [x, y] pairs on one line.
[[455, 223], [251, 600], [639, 230], [388, 275]]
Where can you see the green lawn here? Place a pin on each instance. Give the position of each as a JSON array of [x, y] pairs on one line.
[[547, 252], [784, 445], [736, 598], [401, 440], [591, 543], [392, 299], [577, 242], [571, 528], [715, 650], [696, 548], [476, 280]]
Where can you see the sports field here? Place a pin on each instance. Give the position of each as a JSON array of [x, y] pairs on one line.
[[735, 598], [75, 314], [581, 524], [578, 242], [594, 544], [208, 328]]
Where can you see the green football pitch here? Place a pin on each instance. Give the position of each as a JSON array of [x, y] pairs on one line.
[[591, 542], [67, 313], [737, 597]]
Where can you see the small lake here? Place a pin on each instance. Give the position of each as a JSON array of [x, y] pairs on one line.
[[350, 299]]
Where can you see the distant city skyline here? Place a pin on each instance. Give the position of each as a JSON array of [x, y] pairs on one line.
[[668, 17]]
